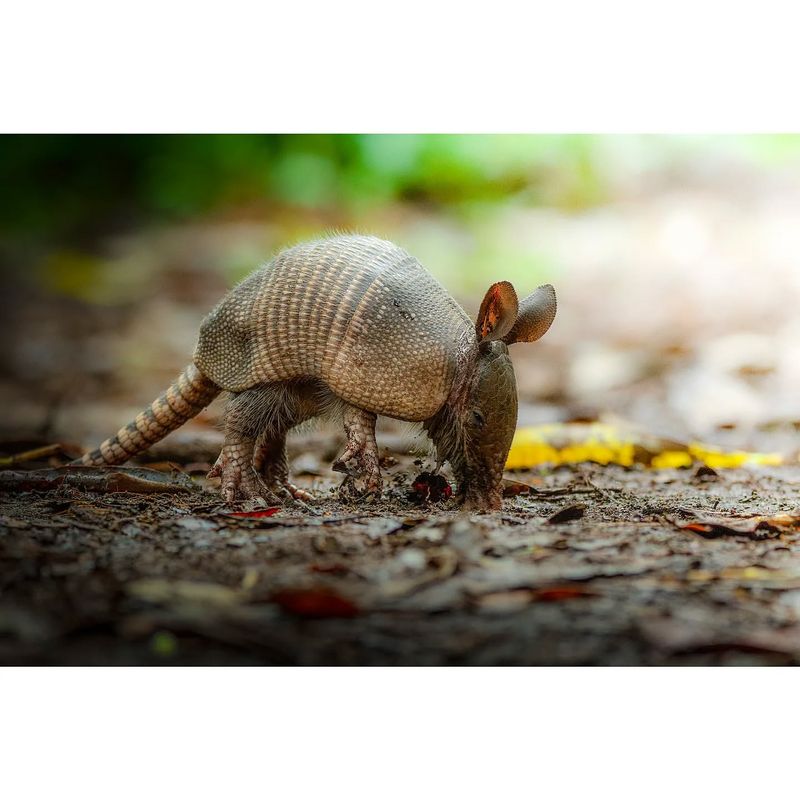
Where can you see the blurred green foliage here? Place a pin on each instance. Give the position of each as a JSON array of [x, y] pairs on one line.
[[73, 188]]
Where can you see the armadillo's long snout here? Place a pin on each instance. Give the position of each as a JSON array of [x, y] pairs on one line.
[[481, 487]]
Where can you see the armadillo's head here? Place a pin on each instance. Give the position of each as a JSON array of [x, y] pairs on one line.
[[488, 419], [483, 412]]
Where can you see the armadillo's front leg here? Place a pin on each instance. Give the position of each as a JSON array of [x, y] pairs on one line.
[[269, 460], [362, 449]]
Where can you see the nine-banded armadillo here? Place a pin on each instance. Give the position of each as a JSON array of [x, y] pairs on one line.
[[354, 324]]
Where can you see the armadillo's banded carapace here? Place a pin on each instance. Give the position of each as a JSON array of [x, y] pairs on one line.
[[357, 312], [185, 398]]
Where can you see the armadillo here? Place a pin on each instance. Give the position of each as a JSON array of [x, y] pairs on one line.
[[356, 326]]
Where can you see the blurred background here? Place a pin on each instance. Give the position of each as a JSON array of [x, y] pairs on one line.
[[676, 260]]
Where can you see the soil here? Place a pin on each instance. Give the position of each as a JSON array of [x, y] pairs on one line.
[[595, 566]]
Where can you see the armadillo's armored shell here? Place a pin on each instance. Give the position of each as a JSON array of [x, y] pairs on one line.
[[357, 312]]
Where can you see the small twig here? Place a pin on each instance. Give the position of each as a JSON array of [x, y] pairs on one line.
[[36, 454], [593, 487]]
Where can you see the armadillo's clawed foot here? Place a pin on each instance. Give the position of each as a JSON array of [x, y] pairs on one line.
[[245, 484], [360, 457], [341, 465], [269, 460], [240, 481], [348, 492], [373, 482]]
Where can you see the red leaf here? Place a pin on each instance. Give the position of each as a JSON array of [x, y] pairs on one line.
[[262, 512], [315, 603], [697, 527], [555, 594]]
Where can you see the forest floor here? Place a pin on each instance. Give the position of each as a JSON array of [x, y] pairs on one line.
[[663, 322], [596, 565]]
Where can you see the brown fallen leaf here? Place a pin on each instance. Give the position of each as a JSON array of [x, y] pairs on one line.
[[515, 488], [753, 528], [314, 603], [568, 514], [706, 473], [95, 479], [512, 488]]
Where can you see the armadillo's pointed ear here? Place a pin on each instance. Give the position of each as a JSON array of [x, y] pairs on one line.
[[498, 312], [536, 314]]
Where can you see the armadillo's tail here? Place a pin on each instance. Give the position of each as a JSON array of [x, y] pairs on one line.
[[187, 397]]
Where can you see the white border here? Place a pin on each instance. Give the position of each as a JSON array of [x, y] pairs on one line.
[[242, 66], [398, 733]]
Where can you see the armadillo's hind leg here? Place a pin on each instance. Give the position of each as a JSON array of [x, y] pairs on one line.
[[360, 456], [269, 460], [277, 408], [239, 479]]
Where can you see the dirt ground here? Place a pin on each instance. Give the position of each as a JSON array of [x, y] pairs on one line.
[[594, 566]]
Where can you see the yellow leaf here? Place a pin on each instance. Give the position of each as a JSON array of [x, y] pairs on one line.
[[602, 443]]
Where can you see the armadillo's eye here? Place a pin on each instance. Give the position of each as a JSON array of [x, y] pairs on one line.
[[477, 418]]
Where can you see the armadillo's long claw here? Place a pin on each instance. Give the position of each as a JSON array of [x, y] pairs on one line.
[[340, 465], [362, 449], [216, 470], [240, 481], [269, 460]]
